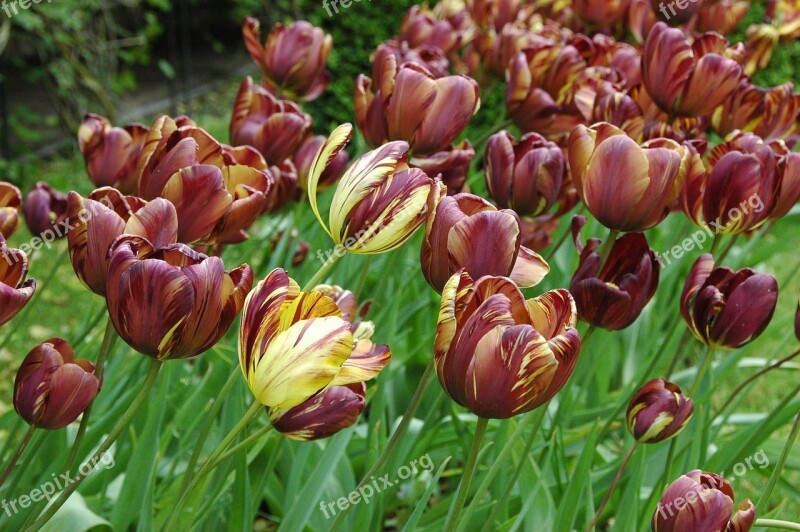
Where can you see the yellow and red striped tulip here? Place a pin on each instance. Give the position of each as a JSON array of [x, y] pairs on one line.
[[10, 203], [16, 290], [111, 153]]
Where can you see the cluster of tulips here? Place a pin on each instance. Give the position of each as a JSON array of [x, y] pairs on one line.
[[622, 129]]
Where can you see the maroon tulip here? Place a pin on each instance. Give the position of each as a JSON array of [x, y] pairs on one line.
[[10, 202], [613, 296], [724, 308], [323, 415], [526, 176], [497, 13], [45, 212], [688, 79], [171, 302], [305, 156], [641, 19], [658, 411], [769, 113], [605, 14], [450, 165], [111, 153], [721, 16], [789, 177], [420, 27], [274, 127], [15, 289], [701, 501], [292, 59], [676, 13], [390, 54], [52, 388]]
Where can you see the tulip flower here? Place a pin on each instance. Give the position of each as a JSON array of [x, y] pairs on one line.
[[171, 302], [285, 186], [769, 113], [627, 187], [524, 176], [105, 215], [495, 14], [379, 201], [466, 231], [658, 411], [621, 110], [499, 355], [641, 19], [789, 176], [52, 388], [323, 415], [276, 128], [294, 345], [605, 14], [10, 203], [721, 16], [420, 27], [451, 165], [761, 42], [111, 153], [701, 501], [305, 156], [45, 211], [726, 308], [613, 293], [15, 289], [292, 59], [685, 79]]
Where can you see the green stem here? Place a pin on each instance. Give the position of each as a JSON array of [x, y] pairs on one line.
[[776, 523], [715, 243], [466, 478], [363, 278], [244, 444], [709, 356], [605, 251], [728, 248], [681, 343], [776, 473], [121, 425], [613, 486], [326, 267], [20, 450]]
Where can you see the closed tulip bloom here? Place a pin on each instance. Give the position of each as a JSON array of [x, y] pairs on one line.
[[627, 187], [292, 59], [450, 165], [294, 345], [305, 156], [721, 16], [658, 411], [276, 128], [171, 302], [613, 295], [421, 27], [525, 176], [10, 203], [45, 211], [641, 19], [498, 355], [604, 14], [688, 79], [323, 415], [701, 501], [111, 153], [379, 201], [466, 231], [52, 388], [16, 290], [789, 177], [726, 308], [769, 113]]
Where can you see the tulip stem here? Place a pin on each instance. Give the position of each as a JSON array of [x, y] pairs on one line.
[[466, 478], [20, 450], [777, 523], [122, 424], [776, 473], [613, 486], [244, 444], [709, 356], [605, 251], [715, 244], [326, 268], [109, 339]]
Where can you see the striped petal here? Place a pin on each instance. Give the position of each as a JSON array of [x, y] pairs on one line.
[[366, 361], [325, 156]]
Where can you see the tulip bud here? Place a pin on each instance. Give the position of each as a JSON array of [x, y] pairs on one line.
[[45, 211], [525, 176], [323, 415], [721, 16], [10, 202], [305, 156], [724, 308], [701, 501], [292, 59], [15, 289], [658, 412], [294, 345], [378, 203], [499, 355], [111, 153], [52, 388], [171, 302], [613, 296]]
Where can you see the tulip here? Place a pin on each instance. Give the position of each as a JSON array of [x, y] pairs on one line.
[[276, 128], [621, 110], [701, 501], [10, 203], [305, 156], [420, 27], [721, 16], [785, 15], [51, 388], [45, 212], [284, 189], [450, 165], [537, 234], [323, 415], [769, 113], [658, 411], [525, 176], [15, 289], [497, 13], [466, 231], [379, 201], [761, 42], [390, 54], [171, 302], [499, 355], [676, 14], [249, 189], [688, 80], [294, 345], [627, 187], [613, 293], [344, 299], [607, 13], [641, 19], [111, 153], [788, 193], [292, 59], [724, 308]]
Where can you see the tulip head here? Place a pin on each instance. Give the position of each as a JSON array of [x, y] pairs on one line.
[[171, 302], [658, 411], [379, 201], [51, 388], [10, 203], [111, 153], [726, 308], [45, 211], [604, 14], [770, 113], [499, 355], [701, 501], [451, 165], [323, 415], [721, 16], [16, 290], [305, 156]]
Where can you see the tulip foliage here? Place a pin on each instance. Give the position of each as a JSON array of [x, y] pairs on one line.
[[540, 275]]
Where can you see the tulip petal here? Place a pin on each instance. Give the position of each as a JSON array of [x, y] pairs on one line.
[[366, 361], [486, 243], [529, 269], [327, 152], [157, 222]]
